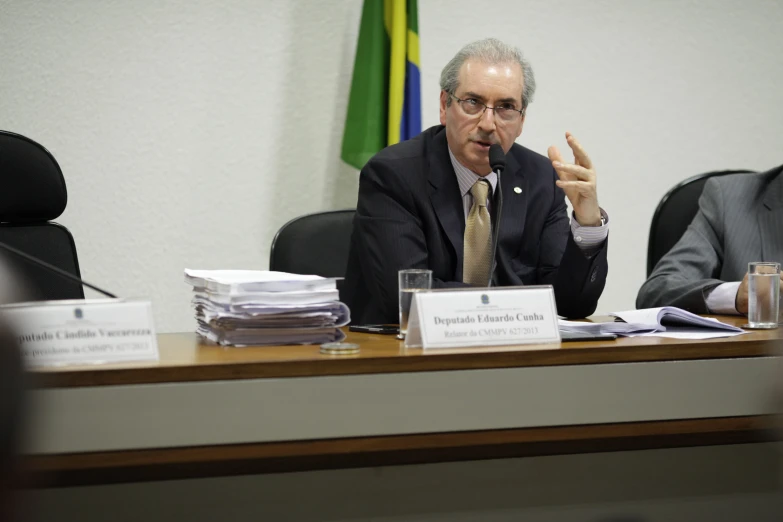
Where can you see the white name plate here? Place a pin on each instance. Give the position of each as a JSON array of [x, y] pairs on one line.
[[83, 331], [471, 317]]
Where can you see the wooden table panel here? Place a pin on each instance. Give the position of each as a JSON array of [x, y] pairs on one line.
[[195, 462]]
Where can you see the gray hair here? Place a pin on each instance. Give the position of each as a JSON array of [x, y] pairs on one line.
[[492, 51]]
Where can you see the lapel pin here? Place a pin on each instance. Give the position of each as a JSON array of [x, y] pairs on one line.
[[518, 190]]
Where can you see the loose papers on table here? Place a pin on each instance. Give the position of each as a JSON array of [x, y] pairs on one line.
[[259, 307], [667, 321]]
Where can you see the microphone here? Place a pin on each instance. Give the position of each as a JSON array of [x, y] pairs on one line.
[[52, 268], [497, 161]]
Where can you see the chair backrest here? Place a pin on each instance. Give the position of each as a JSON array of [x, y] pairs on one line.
[[675, 212], [314, 244], [32, 193]]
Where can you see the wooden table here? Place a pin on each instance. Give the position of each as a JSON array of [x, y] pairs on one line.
[[205, 411]]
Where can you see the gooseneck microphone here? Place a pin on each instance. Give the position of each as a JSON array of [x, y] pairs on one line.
[[497, 161], [52, 268]]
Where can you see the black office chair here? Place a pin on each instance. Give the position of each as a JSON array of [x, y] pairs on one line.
[[675, 212], [314, 244], [32, 193]]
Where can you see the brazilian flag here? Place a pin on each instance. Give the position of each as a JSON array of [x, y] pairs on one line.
[[385, 102]]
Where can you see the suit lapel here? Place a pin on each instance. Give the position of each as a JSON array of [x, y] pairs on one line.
[[771, 221], [445, 196]]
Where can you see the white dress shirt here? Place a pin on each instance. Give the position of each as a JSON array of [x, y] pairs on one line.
[[722, 299]]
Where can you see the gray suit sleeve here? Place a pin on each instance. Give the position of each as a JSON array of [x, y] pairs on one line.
[[690, 269]]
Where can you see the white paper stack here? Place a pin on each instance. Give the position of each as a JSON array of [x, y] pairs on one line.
[[258, 307]]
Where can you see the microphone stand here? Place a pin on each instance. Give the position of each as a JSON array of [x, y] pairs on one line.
[[54, 269], [496, 231]]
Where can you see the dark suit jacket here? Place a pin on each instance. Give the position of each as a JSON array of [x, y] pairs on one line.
[[410, 215], [740, 220]]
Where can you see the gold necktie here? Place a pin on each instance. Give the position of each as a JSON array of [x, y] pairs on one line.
[[478, 234]]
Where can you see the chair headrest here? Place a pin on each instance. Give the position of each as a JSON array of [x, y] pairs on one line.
[[33, 187]]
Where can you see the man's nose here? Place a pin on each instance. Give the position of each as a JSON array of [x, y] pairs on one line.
[[487, 120]]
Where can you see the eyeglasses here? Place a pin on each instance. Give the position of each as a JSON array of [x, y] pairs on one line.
[[505, 112]]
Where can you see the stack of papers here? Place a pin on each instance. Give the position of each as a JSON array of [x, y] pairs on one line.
[[258, 307], [667, 321]]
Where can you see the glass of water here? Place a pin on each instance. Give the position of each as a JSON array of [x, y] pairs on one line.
[[410, 281], [763, 295]]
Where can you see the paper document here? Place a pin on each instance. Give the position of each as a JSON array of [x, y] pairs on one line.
[[249, 337], [666, 321], [243, 281], [208, 308], [262, 308], [268, 298], [674, 332], [615, 327], [672, 316]]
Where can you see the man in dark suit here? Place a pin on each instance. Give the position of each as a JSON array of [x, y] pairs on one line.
[[739, 221], [423, 203]]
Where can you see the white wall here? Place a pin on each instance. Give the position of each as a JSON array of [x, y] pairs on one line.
[[189, 131]]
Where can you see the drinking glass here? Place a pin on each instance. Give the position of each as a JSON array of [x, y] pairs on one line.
[[410, 281], [763, 295]]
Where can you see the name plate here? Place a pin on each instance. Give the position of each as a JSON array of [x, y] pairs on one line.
[[83, 331], [472, 317]]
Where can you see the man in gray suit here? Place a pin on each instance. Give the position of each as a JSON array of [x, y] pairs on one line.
[[740, 220]]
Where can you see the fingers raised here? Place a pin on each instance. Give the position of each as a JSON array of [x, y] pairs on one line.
[[554, 154], [580, 155], [575, 171]]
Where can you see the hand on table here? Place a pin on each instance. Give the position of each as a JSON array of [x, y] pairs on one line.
[[741, 301]]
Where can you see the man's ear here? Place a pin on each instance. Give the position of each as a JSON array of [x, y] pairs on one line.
[[444, 99]]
